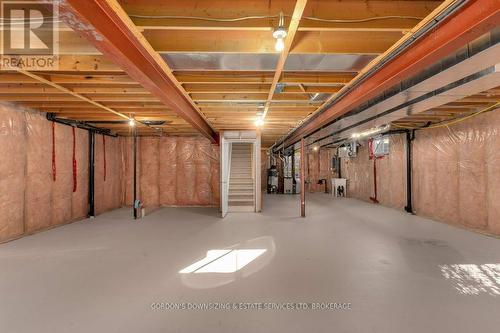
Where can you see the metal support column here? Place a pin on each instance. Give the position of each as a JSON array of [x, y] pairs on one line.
[[135, 174], [91, 211], [302, 178]]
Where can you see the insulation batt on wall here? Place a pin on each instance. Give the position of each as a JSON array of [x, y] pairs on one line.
[[456, 173], [320, 167], [30, 200], [173, 171]]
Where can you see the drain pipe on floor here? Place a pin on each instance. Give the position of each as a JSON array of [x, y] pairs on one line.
[[91, 212], [410, 136]]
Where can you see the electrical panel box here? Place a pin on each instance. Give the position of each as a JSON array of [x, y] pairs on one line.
[[348, 151], [380, 146]]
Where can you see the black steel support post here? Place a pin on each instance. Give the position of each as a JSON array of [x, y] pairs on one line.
[[410, 135], [135, 174], [91, 211]]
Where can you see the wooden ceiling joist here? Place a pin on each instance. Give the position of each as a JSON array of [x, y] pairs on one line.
[[300, 5], [241, 8], [108, 28], [73, 94]]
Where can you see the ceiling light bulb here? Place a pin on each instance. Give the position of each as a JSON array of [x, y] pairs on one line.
[[259, 122], [280, 45], [131, 122], [315, 148], [279, 33]]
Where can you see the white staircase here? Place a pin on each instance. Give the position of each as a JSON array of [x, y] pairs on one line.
[[241, 184]]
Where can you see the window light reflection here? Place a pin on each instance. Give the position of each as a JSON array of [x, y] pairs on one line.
[[224, 261], [472, 279]]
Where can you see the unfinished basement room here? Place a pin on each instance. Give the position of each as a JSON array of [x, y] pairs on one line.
[[247, 166]]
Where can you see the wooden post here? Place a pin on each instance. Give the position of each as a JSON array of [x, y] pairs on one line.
[[302, 178]]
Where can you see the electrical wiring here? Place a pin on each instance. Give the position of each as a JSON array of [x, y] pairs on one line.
[[212, 19], [452, 122], [238, 19], [368, 19], [257, 17]]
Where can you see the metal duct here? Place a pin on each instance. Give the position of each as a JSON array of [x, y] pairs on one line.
[[266, 62], [221, 61], [327, 62]]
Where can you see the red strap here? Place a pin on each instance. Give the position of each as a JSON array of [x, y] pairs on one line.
[[53, 151], [74, 161], [104, 151]]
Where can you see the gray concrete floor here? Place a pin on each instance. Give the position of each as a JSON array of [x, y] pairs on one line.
[[400, 273]]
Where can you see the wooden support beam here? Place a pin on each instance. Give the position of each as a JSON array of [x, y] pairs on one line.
[[300, 5], [106, 26]]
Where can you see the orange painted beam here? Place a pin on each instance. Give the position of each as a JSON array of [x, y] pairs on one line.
[[105, 25], [470, 22]]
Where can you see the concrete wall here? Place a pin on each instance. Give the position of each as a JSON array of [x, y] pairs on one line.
[[456, 174]]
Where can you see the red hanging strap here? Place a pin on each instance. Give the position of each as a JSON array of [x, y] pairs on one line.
[[104, 153], [74, 161], [53, 151]]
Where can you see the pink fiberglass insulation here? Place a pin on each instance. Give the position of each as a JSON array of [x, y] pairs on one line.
[[457, 173], [30, 198], [38, 191], [12, 172], [80, 197], [391, 174], [175, 171], [63, 186], [320, 168], [168, 171], [126, 144], [359, 174], [149, 173], [108, 189]]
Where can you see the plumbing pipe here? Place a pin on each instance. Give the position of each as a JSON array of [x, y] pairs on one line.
[[410, 136], [80, 124]]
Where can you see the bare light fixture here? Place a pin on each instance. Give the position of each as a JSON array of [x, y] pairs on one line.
[[259, 122], [371, 131], [131, 122], [279, 34]]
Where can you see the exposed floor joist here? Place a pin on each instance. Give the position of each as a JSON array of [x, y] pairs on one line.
[[123, 43]]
